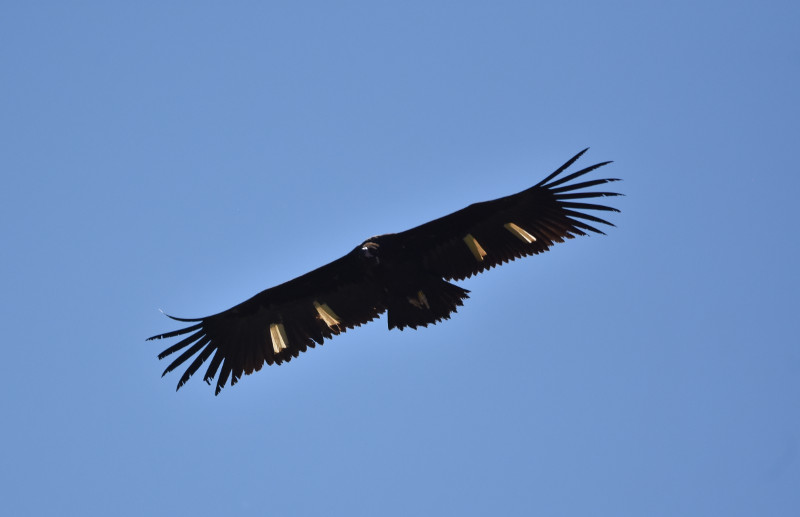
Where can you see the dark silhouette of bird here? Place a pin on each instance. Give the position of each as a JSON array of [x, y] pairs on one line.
[[406, 274]]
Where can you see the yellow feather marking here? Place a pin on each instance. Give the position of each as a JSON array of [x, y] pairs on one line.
[[519, 232], [420, 301], [326, 313], [278, 334], [475, 247]]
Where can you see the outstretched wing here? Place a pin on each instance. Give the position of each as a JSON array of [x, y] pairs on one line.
[[277, 324], [484, 235]]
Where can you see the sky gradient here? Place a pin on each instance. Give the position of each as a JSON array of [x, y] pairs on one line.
[[185, 155]]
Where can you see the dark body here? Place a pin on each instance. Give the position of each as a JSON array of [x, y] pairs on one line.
[[407, 274]]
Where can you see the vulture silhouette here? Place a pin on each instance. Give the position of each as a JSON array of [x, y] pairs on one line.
[[406, 274]]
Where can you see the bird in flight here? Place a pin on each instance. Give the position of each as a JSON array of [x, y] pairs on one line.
[[406, 274]]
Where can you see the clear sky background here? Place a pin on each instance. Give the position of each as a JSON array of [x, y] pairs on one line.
[[185, 155]]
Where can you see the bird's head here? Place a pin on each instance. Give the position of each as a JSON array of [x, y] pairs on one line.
[[371, 251]]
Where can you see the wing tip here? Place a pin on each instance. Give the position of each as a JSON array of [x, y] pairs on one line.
[[179, 332], [185, 320], [567, 165]]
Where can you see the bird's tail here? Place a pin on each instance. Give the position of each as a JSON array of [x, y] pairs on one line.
[[424, 304]]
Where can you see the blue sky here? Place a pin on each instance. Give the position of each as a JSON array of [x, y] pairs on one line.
[[184, 156]]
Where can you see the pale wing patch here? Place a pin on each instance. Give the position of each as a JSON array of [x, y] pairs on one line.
[[519, 232], [278, 334], [420, 301], [326, 313], [475, 247]]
